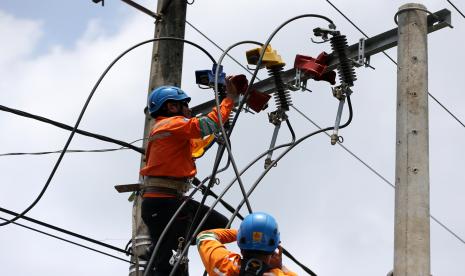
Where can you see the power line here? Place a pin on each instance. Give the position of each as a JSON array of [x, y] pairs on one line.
[[345, 148], [67, 127], [457, 9], [457, 119], [68, 151], [56, 228], [379, 175], [217, 46], [81, 115], [68, 241], [57, 151], [390, 58]]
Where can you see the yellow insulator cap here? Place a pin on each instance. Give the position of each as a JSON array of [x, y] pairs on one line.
[[270, 58]]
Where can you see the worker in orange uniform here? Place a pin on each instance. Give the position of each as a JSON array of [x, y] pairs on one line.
[[170, 169], [258, 238]]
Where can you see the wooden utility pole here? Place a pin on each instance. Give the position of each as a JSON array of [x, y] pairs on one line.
[[166, 69], [412, 223]]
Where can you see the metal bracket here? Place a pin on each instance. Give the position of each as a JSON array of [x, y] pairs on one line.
[[143, 9], [124, 188], [361, 59]]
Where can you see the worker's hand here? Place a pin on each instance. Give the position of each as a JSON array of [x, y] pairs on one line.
[[231, 90], [276, 260]]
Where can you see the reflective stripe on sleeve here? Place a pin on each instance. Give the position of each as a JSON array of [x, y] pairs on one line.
[[207, 126], [206, 236]]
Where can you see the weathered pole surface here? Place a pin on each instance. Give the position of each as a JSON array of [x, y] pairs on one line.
[[166, 69], [412, 211]]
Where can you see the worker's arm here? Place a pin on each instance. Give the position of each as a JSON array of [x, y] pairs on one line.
[[205, 125], [215, 257]]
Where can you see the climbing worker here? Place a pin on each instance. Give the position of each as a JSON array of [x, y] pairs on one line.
[[170, 169], [258, 239]]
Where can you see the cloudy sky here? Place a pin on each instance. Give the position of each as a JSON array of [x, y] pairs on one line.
[[335, 215]]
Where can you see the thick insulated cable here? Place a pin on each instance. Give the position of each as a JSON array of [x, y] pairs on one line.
[[67, 127], [81, 115], [219, 198], [68, 241], [263, 174], [349, 103], [223, 131], [220, 151], [262, 53]]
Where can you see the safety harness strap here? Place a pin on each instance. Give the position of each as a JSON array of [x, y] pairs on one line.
[[253, 267]]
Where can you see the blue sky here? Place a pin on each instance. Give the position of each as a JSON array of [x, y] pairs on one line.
[[64, 21]]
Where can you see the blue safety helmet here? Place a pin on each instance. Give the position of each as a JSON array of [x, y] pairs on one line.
[[162, 94], [259, 232]]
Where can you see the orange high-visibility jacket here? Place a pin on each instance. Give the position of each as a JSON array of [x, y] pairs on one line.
[[219, 261], [169, 148]]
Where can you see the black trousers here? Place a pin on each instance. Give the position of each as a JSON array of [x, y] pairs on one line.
[[156, 213]]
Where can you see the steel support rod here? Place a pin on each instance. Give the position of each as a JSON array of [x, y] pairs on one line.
[[412, 223]]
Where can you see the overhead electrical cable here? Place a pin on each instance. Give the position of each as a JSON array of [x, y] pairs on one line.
[[68, 151], [218, 199], [68, 241], [261, 177], [346, 149], [457, 9], [446, 109], [56, 228], [390, 58], [217, 46], [349, 120], [67, 127], [259, 62], [82, 114], [381, 176]]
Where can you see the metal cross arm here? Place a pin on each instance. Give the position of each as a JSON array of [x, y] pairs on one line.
[[387, 40], [372, 46]]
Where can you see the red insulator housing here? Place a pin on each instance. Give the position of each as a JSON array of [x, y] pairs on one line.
[[315, 67], [258, 101]]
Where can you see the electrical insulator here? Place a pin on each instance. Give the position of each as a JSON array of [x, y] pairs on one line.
[[315, 68], [275, 65], [345, 68]]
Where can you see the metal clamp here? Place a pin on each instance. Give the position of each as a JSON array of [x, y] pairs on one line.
[[361, 59], [298, 82], [177, 255]]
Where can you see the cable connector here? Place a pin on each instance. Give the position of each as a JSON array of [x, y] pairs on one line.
[[177, 257]]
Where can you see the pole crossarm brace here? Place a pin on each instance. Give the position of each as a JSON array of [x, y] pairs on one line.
[[373, 45], [143, 9]]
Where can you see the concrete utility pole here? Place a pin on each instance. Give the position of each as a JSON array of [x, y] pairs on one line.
[[166, 69], [412, 223]]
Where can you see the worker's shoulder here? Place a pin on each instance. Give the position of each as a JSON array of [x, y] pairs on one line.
[[170, 121]]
